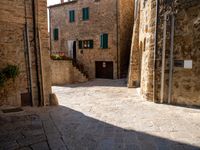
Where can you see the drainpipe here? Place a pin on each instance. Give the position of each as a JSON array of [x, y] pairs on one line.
[[36, 50], [50, 31], [163, 58], [117, 20], [171, 66], [155, 50], [29, 60]]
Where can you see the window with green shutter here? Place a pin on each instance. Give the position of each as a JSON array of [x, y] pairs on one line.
[[55, 34], [104, 41], [86, 13], [80, 43], [71, 16], [86, 44]]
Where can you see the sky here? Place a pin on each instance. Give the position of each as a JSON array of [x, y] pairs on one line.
[[52, 2]]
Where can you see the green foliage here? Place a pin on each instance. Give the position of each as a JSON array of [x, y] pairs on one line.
[[2, 79], [56, 57], [11, 71], [59, 57]]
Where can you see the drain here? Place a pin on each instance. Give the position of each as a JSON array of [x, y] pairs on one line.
[[10, 110]]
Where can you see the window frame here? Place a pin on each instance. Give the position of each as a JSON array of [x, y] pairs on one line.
[[72, 16], [104, 41], [90, 42], [85, 13], [56, 34]]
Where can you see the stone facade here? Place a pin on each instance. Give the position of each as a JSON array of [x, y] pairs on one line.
[[14, 50], [185, 83], [63, 72], [112, 17]]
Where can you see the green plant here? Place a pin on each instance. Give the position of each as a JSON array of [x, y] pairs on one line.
[[2, 79], [55, 57], [59, 57], [11, 71]]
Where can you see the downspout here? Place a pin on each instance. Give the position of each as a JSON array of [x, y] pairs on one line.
[[27, 43], [155, 50], [171, 66], [163, 58], [50, 30], [36, 51], [117, 20]]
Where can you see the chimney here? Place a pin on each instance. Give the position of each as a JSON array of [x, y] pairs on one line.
[[61, 1]]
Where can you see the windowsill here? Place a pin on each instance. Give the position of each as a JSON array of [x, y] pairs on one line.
[[104, 48]]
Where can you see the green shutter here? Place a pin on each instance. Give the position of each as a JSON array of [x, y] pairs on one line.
[[101, 41], [85, 12], [80, 44], [55, 34], [105, 40], [91, 43], [71, 16]]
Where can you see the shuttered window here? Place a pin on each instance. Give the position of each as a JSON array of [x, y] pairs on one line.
[[71, 16], [85, 13], [55, 34], [104, 41], [86, 44]]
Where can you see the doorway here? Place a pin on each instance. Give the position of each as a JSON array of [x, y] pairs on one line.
[[104, 69], [74, 50], [71, 44]]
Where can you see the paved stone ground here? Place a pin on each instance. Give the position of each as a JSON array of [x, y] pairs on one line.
[[101, 115]]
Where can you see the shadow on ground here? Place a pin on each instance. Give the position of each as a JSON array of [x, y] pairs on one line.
[[66, 129], [80, 132]]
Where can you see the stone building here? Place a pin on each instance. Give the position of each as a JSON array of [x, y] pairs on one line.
[[24, 43], [165, 51], [95, 33]]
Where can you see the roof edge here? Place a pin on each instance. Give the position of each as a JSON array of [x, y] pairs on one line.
[[61, 4]]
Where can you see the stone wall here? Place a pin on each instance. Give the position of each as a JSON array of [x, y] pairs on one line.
[[13, 51], [63, 72], [103, 19], [126, 20], [185, 83], [141, 61]]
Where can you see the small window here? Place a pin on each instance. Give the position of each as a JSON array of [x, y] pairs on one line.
[[86, 44], [85, 13], [55, 34], [71, 16], [104, 41]]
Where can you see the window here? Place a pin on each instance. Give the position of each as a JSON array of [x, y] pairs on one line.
[[104, 41], [55, 34], [85, 13], [71, 16], [86, 44]]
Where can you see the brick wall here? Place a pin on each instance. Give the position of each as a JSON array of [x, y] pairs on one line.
[[185, 83], [63, 72], [12, 49], [103, 19]]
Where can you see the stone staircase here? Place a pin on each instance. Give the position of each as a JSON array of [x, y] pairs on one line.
[[79, 74]]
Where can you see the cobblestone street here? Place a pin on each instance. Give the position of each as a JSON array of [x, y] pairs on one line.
[[101, 115]]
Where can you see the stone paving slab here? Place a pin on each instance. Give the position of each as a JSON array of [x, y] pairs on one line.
[[101, 115]]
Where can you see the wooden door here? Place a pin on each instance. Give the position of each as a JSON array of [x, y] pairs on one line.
[[104, 69]]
